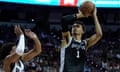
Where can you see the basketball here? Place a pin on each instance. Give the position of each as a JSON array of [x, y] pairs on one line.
[[87, 7]]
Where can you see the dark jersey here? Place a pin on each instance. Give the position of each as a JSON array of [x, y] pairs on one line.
[[73, 56]]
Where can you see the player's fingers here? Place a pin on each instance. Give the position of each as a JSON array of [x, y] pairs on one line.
[[19, 27], [15, 28]]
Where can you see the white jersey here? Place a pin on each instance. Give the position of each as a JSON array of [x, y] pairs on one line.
[[18, 67]]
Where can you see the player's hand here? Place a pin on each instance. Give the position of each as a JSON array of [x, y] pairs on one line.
[[17, 30], [30, 34], [80, 13]]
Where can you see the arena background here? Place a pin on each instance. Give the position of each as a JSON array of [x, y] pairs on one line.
[[45, 21]]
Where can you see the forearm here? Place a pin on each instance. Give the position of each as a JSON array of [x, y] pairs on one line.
[[72, 17], [66, 20], [97, 26], [37, 45]]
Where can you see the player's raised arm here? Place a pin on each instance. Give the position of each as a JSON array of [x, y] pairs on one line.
[[97, 36], [37, 46]]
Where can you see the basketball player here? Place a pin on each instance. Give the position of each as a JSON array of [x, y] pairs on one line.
[[73, 51], [13, 55]]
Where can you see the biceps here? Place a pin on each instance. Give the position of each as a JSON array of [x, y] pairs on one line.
[[93, 40]]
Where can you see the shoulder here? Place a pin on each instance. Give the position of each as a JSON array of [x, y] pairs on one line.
[[65, 44], [85, 41]]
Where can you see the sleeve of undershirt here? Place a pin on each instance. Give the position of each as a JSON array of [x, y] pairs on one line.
[[66, 20], [21, 45]]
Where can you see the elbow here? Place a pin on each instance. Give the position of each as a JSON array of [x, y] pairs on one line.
[[39, 50], [99, 35]]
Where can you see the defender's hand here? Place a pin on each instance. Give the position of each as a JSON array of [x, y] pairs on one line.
[[17, 30]]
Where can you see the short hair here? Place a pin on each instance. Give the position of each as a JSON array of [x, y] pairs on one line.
[[81, 23], [5, 49]]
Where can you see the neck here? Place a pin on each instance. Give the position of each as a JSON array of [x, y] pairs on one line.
[[77, 37]]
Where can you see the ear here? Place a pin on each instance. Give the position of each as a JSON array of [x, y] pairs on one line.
[[71, 32], [83, 31]]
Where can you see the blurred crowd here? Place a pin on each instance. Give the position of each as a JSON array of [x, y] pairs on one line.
[[103, 57]]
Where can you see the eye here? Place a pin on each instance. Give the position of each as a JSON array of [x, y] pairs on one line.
[[78, 26]]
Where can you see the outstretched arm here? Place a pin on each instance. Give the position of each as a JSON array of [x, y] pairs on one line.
[[97, 36], [37, 47]]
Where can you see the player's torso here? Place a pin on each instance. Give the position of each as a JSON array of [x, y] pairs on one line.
[[75, 55]]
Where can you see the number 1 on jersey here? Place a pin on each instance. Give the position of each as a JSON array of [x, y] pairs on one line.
[[78, 56]]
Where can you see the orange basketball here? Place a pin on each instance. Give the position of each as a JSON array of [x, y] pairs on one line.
[[87, 7]]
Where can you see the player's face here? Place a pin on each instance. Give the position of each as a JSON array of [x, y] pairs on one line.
[[77, 29]]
